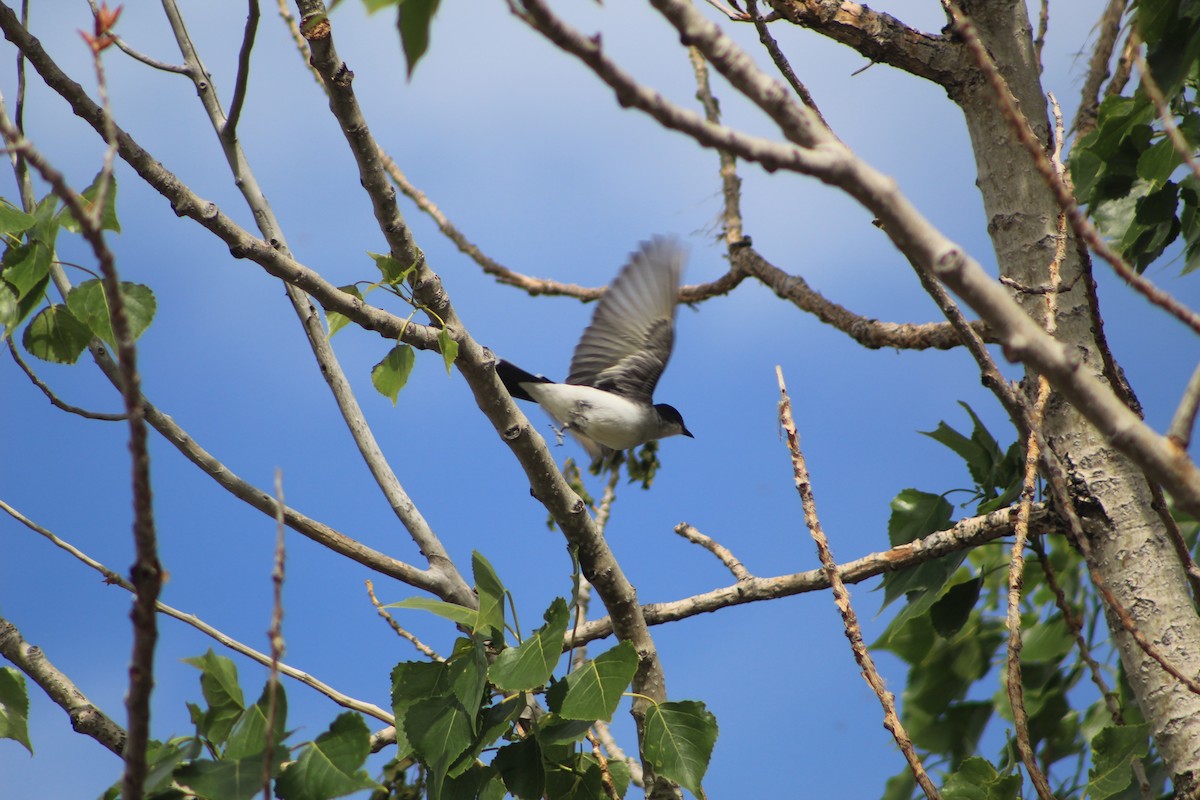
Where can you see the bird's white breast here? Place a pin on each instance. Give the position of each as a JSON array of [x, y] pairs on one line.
[[609, 419]]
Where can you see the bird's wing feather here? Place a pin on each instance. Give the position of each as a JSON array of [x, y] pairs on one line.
[[625, 349]]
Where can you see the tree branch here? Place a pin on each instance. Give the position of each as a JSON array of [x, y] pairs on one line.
[[891, 720], [880, 37], [116, 579], [86, 718], [966, 533]]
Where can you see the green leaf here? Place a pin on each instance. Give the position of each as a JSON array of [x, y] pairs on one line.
[[1113, 750], [489, 622], [977, 779], [392, 270], [10, 315], [338, 321], [679, 739], [376, 5], [89, 304], [530, 665], [390, 374], [455, 613], [449, 348], [219, 683], [26, 269], [108, 220], [952, 610], [520, 766], [1158, 161], [332, 765], [440, 731], [14, 707], [916, 514], [55, 335], [466, 670], [594, 690], [228, 779], [248, 737], [1048, 640], [414, 21], [13, 220], [554, 730]]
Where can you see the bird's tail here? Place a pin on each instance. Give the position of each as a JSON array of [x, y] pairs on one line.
[[513, 377]]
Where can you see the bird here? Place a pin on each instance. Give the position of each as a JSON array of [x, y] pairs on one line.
[[607, 402]]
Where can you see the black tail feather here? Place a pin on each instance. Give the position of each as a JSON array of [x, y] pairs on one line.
[[513, 376]]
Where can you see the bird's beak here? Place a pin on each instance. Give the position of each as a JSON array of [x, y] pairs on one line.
[[687, 433]]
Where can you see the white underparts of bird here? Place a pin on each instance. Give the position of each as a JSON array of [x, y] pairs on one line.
[[607, 400]]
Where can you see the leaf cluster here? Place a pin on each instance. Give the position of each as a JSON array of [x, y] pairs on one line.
[[951, 632], [59, 332], [482, 699], [1127, 169]]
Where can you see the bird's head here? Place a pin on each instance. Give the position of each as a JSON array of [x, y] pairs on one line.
[[670, 421]]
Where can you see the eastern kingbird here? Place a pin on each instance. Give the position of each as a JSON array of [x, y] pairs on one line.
[[607, 402]]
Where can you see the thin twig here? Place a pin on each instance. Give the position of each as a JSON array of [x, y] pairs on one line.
[[146, 572], [153, 63], [841, 597], [242, 82], [275, 635], [1016, 566], [116, 579], [400, 630], [1153, 91], [1109, 28], [731, 562], [1039, 41], [54, 400], [606, 779], [781, 61], [604, 734]]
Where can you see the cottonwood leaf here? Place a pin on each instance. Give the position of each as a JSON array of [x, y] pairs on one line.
[[219, 683], [337, 321], [679, 740], [55, 335], [415, 17], [332, 765], [89, 304], [455, 613], [530, 665], [1113, 751], [490, 619], [594, 690], [14, 707], [390, 374]]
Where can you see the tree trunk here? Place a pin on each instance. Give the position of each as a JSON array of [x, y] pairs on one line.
[[1130, 547]]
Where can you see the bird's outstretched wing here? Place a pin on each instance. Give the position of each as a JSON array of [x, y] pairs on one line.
[[625, 349]]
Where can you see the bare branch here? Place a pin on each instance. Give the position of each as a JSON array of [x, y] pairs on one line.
[[425, 649], [86, 717], [275, 635], [870, 333], [781, 62], [880, 37], [116, 579], [964, 534], [841, 597], [731, 562], [228, 131], [57, 403], [1184, 420]]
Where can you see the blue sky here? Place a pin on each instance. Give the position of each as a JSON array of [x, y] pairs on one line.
[[533, 159]]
